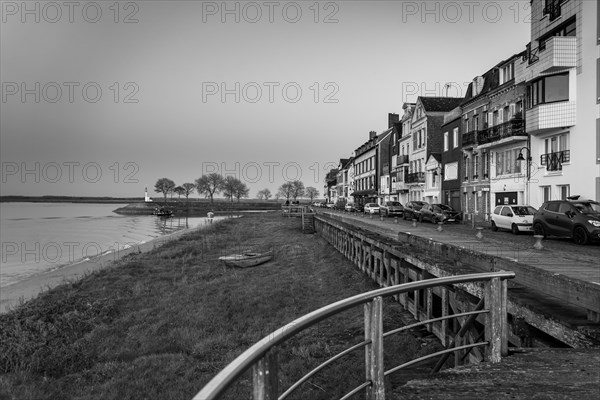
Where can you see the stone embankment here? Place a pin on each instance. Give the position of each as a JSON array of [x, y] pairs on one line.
[[196, 208]]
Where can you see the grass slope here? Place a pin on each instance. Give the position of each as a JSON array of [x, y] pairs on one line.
[[160, 325]]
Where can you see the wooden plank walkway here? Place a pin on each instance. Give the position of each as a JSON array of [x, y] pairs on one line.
[[526, 374]]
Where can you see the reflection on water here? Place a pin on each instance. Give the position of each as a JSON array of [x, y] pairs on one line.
[[37, 237]]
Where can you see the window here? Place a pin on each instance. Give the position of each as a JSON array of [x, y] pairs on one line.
[[485, 164], [557, 152], [497, 210], [546, 194], [475, 166], [455, 138], [506, 162], [445, 141], [548, 89], [506, 73], [505, 211], [564, 191]]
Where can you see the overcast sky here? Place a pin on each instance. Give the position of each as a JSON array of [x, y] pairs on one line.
[[103, 100]]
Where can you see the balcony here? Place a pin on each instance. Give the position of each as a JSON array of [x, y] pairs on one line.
[[403, 159], [556, 53], [542, 117], [469, 139], [416, 177], [513, 129], [554, 161], [399, 186]]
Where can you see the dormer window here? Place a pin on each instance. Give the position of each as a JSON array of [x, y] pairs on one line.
[[507, 73]]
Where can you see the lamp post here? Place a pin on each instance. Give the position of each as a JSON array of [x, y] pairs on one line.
[[521, 158]]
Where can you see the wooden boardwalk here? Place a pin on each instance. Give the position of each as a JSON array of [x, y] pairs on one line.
[[526, 374]]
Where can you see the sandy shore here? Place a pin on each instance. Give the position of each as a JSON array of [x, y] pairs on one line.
[[29, 288]]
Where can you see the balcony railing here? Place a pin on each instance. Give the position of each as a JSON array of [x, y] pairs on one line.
[[514, 127], [469, 138], [554, 161], [415, 177], [402, 159]]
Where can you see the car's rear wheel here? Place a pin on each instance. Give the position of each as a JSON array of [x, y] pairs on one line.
[[538, 229], [580, 236], [515, 229], [494, 227]]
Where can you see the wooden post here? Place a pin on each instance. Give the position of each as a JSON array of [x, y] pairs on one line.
[[493, 324], [445, 312], [374, 368], [264, 377]]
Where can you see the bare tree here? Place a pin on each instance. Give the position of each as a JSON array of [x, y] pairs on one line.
[[297, 189], [210, 184], [285, 191], [312, 193], [179, 190], [188, 189], [241, 190], [164, 186], [229, 185], [264, 194]]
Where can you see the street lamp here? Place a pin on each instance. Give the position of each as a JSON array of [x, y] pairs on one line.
[[521, 158]]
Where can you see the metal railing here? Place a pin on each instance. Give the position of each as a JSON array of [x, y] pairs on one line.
[[262, 356], [514, 127], [415, 177], [554, 161], [469, 138]]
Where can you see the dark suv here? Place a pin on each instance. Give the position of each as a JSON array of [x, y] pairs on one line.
[[412, 209], [391, 208], [577, 219]]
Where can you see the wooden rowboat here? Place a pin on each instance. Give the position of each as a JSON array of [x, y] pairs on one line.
[[246, 259]]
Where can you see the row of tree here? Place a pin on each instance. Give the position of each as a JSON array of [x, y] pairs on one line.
[[231, 187], [207, 185]]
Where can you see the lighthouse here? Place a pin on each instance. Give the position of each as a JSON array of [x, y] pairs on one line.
[[146, 198]]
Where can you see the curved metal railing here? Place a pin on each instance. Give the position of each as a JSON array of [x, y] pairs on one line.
[[262, 355]]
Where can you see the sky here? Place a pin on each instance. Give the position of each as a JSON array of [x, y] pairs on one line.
[[104, 98]]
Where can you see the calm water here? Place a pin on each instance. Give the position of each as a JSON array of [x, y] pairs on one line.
[[37, 237]]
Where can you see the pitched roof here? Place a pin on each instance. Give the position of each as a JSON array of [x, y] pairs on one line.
[[440, 104]]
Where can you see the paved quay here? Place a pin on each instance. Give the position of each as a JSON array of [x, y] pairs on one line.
[[559, 256]]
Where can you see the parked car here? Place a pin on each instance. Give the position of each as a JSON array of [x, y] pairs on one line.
[[391, 208], [572, 218], [412, 208], [329, 205], [371, 208], [358, 208], [438, 213], [515, 218]]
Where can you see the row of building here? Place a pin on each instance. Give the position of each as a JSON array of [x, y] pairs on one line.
[[522, 134]]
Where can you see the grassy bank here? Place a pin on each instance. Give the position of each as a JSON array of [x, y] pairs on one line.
[[161, 324]]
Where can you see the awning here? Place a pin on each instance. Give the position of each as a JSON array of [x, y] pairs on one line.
[[365, 193]]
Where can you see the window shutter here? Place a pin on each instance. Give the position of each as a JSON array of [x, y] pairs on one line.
[[511, 111], [598, 140], [500, 116]]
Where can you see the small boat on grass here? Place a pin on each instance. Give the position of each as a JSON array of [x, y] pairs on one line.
[[247, 259]]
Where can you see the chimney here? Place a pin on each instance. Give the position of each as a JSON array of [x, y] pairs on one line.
[[392, 119], [372, 134]]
